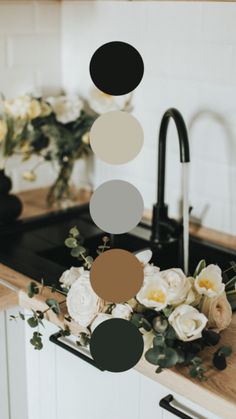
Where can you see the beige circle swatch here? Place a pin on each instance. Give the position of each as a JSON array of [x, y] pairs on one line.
[[116, 276], [116, 206], [116, 137]]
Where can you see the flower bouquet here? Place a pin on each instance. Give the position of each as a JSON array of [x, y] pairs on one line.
[[55, 129], [178, 315]]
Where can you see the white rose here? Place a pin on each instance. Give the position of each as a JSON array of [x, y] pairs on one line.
[[70, 276], [187, 322], [101, 102], [82, 302], [209, 282], [178, 285], [66, 108], [101, 317], [144, 257], [153, 293], [122, 311]]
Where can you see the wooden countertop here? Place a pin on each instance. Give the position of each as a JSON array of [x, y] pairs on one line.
[[218, 394]]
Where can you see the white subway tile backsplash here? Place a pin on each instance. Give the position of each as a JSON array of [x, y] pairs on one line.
[[47, 17], [16, 17], [33, 50], [2, 53], [174, 21], [200, 61], [219, 22]]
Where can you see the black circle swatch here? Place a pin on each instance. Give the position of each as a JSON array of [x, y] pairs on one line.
[[116, 68], [116, 345]]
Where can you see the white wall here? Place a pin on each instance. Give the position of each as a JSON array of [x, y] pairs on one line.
[[189, 51], [30, 62]]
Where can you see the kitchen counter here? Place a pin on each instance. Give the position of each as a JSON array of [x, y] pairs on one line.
[[217, 395]]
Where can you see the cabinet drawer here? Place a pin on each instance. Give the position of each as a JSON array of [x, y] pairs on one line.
[[152, 393]]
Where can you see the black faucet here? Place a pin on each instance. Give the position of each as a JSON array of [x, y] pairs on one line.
[[165, 229]]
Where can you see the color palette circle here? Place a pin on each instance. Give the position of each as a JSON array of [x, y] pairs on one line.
[[116, 345], [116, 68], [116, 206], [116, 275], [116, 137]]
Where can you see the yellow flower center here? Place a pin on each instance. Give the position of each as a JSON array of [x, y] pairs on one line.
[[206, 283], [158, 296]]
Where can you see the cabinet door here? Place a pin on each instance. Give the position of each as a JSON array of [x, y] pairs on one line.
[[86, 392], [4, 397], [41, 375], [13, 386]]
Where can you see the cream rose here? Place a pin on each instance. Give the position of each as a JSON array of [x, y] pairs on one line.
[[66, 108], [187, 322], [209, 282], [101, 317], [218, 311], [23, 107], [82, 302], [122, 311], [3, 130], [71, 275], [102, 102], [34, 109], [178, 285], [153, 293]]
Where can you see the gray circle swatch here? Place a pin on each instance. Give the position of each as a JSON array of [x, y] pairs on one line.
[[116, 137], [116, 206]]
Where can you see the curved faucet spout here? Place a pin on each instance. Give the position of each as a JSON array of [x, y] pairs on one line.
[[183, 148], [163, 228]]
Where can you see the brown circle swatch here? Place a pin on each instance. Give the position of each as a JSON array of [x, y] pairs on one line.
[[116, 276]]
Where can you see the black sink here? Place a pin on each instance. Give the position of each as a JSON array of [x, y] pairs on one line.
[[36, 247], [127, 241]]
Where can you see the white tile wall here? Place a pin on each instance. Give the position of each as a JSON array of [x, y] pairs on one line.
[[30, 62], [189, 51]]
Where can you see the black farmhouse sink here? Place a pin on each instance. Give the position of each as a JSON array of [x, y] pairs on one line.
[[35, 247]]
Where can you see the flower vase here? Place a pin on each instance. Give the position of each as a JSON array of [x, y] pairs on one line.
[[10, 205]]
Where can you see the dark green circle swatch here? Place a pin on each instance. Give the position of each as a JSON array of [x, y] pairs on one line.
[[116, 345], [116, 68]]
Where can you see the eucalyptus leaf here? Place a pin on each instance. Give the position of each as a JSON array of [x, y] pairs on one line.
[[32, 289], [219, 361], [71, 242], [170, 358], [53, 304], [33, 322], [74, 232], [225, 350], [152, 355]]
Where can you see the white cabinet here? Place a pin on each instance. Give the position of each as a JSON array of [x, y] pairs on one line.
[[13, 390], [55, 384]]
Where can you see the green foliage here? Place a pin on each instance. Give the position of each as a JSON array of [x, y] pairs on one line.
[[219, 357], [53, 304], [199, 268], [210, 337], [197, 370], [36, 341], [32, 289]]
